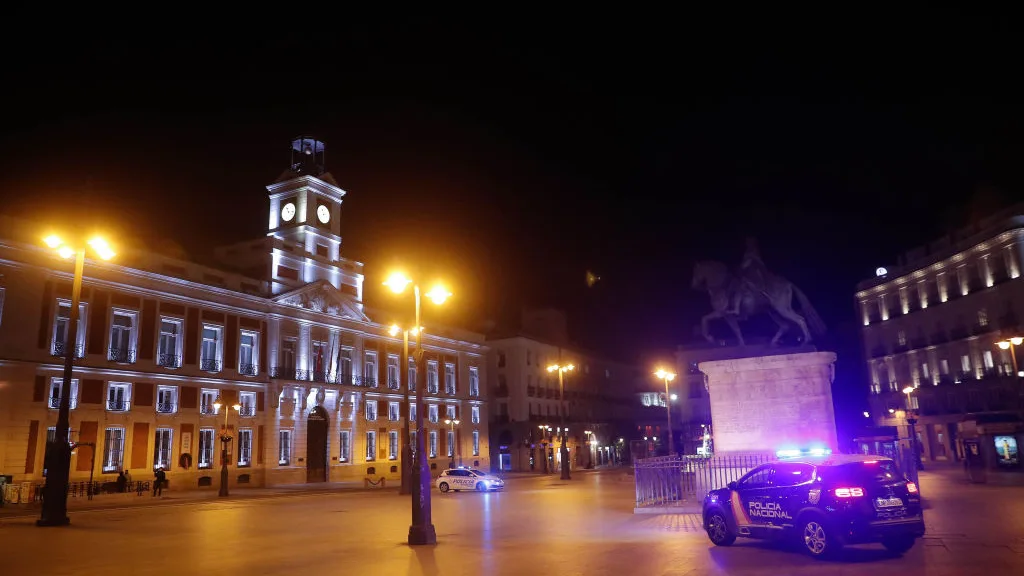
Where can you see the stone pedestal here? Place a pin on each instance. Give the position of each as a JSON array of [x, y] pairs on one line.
[[768, 403]]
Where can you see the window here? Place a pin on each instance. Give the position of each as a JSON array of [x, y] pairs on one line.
[[345, 366], [792, 474], [371, 446], [118, 395], [412, 374], [168, 353], [449, 378], [432, 413], [451, 443], [476, 442], [757, 478], [284, 447], [61, 323], [211, 354], [412, 411], [412, 442], [965, 363], [244, 446], [248, 402], [901, 338], [474, 381], [207, 398], [475, 414], [122, 337], [205, 448], [166, 399], [371, 410], [924, 371], [983, 317], [288, 358], [113, 449], [248, 360], [987, 358], [162, 448], [393, 445], [393, 412], [432, 449], [345, 452], [370, 369], [393, 373], [318, 364], [449, 412], [55, 391], [432, 377]]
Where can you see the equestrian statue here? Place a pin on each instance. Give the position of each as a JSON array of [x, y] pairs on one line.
[[750, 290]]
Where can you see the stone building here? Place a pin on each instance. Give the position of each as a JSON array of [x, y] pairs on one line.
[[940, 325], [278, 328], [526, 410]]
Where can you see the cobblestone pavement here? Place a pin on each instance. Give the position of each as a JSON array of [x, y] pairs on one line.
[[540, 525]]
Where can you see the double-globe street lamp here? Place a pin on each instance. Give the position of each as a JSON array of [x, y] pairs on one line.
[[668, 377], [58, 465], [563, 451], [454, 444], [421, 531], [404, 383], [225, 439], [1011, 345]]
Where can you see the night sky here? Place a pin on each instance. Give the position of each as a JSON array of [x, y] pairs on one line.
[[511, 158]]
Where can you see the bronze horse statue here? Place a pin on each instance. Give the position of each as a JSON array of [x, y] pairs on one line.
[[775, 297]]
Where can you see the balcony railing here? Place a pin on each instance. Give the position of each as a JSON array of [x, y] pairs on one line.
[[207, 410], [121, 355], [58, 350], [210, 365], [166, 407], [247, 369], [367, 381], [320, 376], [118, 405], [54, 403], [168, 360], [393, 384], [247, 411]]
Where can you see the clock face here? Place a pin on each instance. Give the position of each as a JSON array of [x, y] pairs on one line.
[[288, 212], [323, 213]]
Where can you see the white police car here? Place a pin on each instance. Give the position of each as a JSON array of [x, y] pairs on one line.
[[468, 479]]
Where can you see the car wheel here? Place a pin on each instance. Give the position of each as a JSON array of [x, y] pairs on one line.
[[480, 487], [718, 530], [816, 539], [444, 487], [898, 544]]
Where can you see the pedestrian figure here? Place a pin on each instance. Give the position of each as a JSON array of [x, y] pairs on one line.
[[158, 484], [122, 482]]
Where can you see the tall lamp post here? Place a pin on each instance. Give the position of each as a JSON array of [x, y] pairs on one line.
[[58, 466], [404, 383], [668, 377], [544, 435], [911, 421], [451, 427], [563, 452], [225, 439], [421, 531], [1011, 344]]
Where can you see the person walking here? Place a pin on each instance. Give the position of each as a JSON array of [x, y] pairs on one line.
[[158, 483], [122, 481]]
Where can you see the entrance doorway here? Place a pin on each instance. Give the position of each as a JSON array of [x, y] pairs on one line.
[[316, 445]]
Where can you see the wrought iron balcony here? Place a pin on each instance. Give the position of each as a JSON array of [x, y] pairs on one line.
[[121, 355], [247, 369], [367, 381], [209, 365], [393, 384], [320, 376], [247, 411], [166, 407], [58, 350], [168, 360], [54, 403], [118, 405], [207, 410]]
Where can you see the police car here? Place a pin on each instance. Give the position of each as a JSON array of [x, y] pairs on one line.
[[824, 500], [468, 479]]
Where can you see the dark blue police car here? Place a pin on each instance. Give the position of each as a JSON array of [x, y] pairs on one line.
[[825, 501]]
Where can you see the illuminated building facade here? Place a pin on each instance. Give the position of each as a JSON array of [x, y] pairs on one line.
[[284, 336], [932, 328]]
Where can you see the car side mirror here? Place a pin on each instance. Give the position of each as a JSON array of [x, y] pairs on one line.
[[731, 485]]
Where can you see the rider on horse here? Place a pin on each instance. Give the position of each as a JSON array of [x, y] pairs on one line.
[[752, 274]]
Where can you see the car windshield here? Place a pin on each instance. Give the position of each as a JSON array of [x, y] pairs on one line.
[[871, 471], [479, 472]]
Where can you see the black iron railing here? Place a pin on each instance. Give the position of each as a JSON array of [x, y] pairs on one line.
[[247, 369], [59, 347], [117, 405], [247, 411], [207, 410], [166, 407], [210, 365], [685, 480], [393, 384], [168, 360], [121, 355]]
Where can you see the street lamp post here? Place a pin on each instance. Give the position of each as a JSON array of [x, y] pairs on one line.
[[668, 377], [451, 426], [58, 467], [421, 531], [911, 421], [403, 381], [590, 448], [225, 439], [563, 452], [1011, 344]]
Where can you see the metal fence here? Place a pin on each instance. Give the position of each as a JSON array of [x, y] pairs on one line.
[[685, 480], [27, 493]]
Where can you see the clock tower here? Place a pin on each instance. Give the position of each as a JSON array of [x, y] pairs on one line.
[[305, 211]]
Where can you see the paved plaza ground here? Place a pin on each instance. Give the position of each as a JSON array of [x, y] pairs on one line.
[[540, 525]]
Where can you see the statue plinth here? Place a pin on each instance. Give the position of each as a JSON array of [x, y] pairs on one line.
[[767, 403]]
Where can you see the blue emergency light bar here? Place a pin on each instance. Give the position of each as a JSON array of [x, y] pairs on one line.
[[792, 453]]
